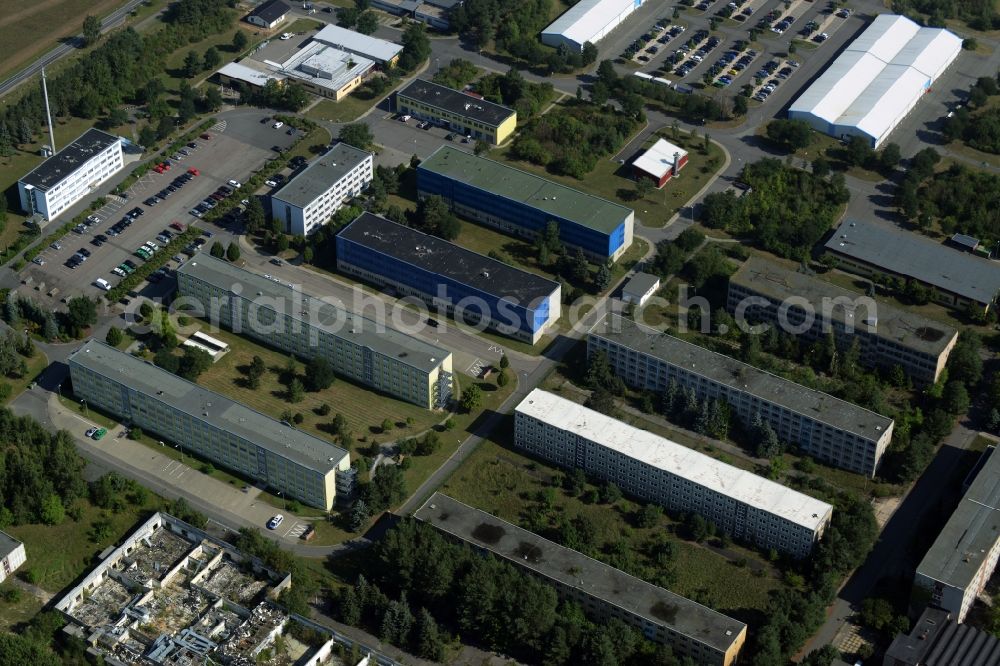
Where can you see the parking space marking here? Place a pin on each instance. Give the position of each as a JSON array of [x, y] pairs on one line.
[[296, 530], [475, 368]]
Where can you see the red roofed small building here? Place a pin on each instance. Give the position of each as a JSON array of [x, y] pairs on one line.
[[661, 162]]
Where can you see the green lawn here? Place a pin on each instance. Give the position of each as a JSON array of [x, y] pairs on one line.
[[318, 137], [35, 364], [13, 613], [174, 65], [346, 110], [613, 181], [498, 479]]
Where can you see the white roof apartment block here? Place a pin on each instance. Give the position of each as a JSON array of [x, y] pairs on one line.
[[676, 459], [877, 80], [588, 21], [379, 50], [660, 158]]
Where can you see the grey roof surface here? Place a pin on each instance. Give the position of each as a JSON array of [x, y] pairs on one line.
[[908, 329], [381, 50], [7, 544], [909, 254], [213, 408], [66, 161], [641, 283], [970, 533], [454, 101], [937, 640], [336, 320], [445, 4], [966, 241], [443, 258], [574, 569], [719, 368], [320, 175], [271, 10], [541, 193]]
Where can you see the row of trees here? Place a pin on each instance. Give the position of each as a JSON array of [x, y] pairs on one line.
[[418, 588], [632, 92], [21, 311], [511, 89], [787, 212]]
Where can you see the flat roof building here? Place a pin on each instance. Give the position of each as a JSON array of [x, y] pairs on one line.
[[660, 162], [523, 204], [361, 349], [957, 279], [472, 116], [269, 14], [381, 51], [640, 288], [588, 21], [447, 276], [655, 469], [210, 424], [12, 555], [877, 80], [602, 591], [937, 640], [312, 196], [71, 174], [959, 564], [831, 430], [764, 291]]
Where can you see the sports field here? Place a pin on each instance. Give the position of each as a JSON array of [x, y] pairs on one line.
[[29, 29]]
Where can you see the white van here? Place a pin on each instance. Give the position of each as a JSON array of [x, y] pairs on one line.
[[103, 284]]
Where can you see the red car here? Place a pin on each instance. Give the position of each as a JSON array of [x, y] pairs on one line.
[[194, 172], [165, 167], [177, 225], [206, 136], [158, 168]]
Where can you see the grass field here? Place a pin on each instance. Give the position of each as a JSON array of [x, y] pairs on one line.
[[29, 29], [16, 612], [498, 479], [346, 110], [613, 181], [35, 364]]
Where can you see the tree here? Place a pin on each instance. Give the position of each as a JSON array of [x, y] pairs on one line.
[[211, 59], [359, 516], [52, 510], [890, 156], [255, 217], [504, 361], [91, 30], [296, 391], [192, 64], [610, 493], [601, 400], [114, 336], [481, 147], [648, 516], [358, 135], [212, 99], [193, 362], [472, 398], [589, 54], [217, 250], [240, 41], [603, 278], [433, 216], [318, 374], [794, 134], [367, 22], [386, 488], [428, 445], [416, 46], [955, 398], [233, 252], [428, 640], [503, 378], [82, 313]]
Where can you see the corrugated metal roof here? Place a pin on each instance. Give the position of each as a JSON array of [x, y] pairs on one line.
[[929, 51], [586, 18], [347, 40], [887, 35], [888, 97]]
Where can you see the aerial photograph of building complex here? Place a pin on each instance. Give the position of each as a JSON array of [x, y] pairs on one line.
[[500, 332]]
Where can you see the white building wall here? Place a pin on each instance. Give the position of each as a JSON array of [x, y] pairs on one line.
[[306, 220], [588, 21], [76, 185], [9, 564]]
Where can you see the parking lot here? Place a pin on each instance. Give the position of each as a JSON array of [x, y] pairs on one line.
[[236, 148]]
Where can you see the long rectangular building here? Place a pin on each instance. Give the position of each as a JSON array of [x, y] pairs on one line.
[[959, 564], [12, 555], [210, 425], [603, 592], [957, 279], [831, 430], [523, 204], [763, 291], [313, 195], [655, 469], [71, 174], [588, 21], [361, 349], [460, 282], [458, 111]]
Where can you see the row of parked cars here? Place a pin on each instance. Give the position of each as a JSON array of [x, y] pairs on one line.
[[736, 60], [699, 55], [772, 84], [212, 200], [654, 34], [176, 184]]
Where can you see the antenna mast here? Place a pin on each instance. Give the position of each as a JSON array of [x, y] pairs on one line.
[[48, 114]]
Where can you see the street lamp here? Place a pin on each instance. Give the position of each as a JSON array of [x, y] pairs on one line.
[[86, 412]]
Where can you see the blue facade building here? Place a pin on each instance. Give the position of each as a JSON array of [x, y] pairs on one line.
[[522, 204], [448, 277]]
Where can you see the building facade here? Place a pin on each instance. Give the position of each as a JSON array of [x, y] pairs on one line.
[[73, 173], [604, 593], [312, 196], [640, 288], [12, 555], [937, 640], [960, 562], [361, 349], [211, 425], [831, 430], [471, 115], [269, 14], [456, 281], [746, 506], [522, 204], [879, 251], [763, 291]]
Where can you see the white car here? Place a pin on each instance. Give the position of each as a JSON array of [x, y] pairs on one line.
[[274, 522], [39, 261], [235, 184], [278, 125], [90, 433], [270, 183], [103, 284], [285, 36]]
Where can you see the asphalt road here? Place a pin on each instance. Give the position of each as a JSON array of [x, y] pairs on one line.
[[67, 47]]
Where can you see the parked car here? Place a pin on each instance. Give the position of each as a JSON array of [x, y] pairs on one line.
[[275, 521], [270, 183], [235, 184], [177, 225], [278, 125], [101, 283]]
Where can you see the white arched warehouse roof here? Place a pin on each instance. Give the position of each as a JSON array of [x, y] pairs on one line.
[[588, 21]]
